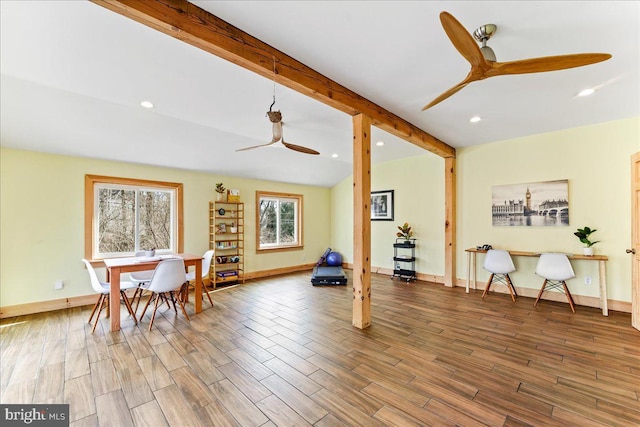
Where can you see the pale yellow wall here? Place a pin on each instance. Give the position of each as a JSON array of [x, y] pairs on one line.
[[595, 159], [42, 220], [418, 184]]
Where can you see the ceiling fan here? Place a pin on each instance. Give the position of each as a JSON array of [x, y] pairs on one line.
[[483, 60], [276, 119]]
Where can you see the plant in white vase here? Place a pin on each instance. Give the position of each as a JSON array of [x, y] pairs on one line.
[[220, 190], [583, 234]]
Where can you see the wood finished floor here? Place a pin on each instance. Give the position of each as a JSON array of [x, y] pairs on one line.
[[282, 352]]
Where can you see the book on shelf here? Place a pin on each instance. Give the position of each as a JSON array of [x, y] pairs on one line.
[[226, 245], [227, 273]]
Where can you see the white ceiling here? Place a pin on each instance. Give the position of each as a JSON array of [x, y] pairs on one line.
[[73, 75]]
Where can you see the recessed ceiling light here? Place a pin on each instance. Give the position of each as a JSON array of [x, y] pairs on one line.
[[334, 155], [146, 104], [586, 92], [380, 143], [475, 119]]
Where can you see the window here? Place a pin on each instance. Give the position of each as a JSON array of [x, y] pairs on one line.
[[123, 216], [278, 221]]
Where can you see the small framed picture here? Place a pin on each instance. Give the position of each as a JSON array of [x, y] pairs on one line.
[[382, 205], [222, 227]]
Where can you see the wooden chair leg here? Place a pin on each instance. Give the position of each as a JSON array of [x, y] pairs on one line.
[[128, 305], [569, 297], [486, 288], [95, 307], [544, 285], [182, 307], [204, 288], [147, 304], [103, 297], [512, 289], [153, 315]]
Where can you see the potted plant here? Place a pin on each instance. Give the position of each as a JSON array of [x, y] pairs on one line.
[[405, 232], [220, 190], [234, 228], [583, 234]]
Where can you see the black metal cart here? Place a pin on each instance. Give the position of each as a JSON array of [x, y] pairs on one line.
[[404, 259]]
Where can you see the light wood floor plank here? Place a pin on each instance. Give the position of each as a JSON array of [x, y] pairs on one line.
[[246, 383], [296, 400], [176, 408], [236, 403], [148, 415], [112, 410], [78, 393], [280, 413], [155, 372]]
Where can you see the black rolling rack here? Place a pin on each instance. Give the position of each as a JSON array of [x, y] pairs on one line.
[[404, 259]]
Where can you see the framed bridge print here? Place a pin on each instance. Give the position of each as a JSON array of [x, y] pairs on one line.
[[532, 204]]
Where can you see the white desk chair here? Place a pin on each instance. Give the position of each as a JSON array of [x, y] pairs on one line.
[[499, 264], [555, 269], [166, 282], [103, 288], [191, 276]]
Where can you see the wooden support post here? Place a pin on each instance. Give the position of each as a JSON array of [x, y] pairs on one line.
[[450, 221], [361, 221]]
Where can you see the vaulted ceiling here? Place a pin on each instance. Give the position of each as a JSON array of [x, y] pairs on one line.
[[73, 75]]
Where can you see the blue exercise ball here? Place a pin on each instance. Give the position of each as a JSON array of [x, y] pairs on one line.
[[334, 259]]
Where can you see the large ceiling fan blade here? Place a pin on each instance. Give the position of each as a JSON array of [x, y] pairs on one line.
[[546, 63], [461, 39], [258, 146], [299, 148], [450, 91]]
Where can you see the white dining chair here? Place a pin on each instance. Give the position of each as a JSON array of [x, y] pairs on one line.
[[103, 289], [190, 277], [141, 279], [499, 263], [166, 283], [556, 269]]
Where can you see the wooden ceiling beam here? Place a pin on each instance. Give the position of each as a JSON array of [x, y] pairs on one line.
[[193, 25]]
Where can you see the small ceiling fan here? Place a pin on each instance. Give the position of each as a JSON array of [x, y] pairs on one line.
[[483, 60], [276, 119]]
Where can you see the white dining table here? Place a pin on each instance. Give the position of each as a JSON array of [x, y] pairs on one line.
[[117, 266]]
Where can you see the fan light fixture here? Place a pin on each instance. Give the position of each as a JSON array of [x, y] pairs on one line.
[[475, 119], [146, 104]]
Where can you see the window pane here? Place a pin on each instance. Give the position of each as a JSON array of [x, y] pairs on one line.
[[287, 222], [268, 222], [155, 219], [116, 220]]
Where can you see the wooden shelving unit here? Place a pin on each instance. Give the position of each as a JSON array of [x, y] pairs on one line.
[[226, 237]]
